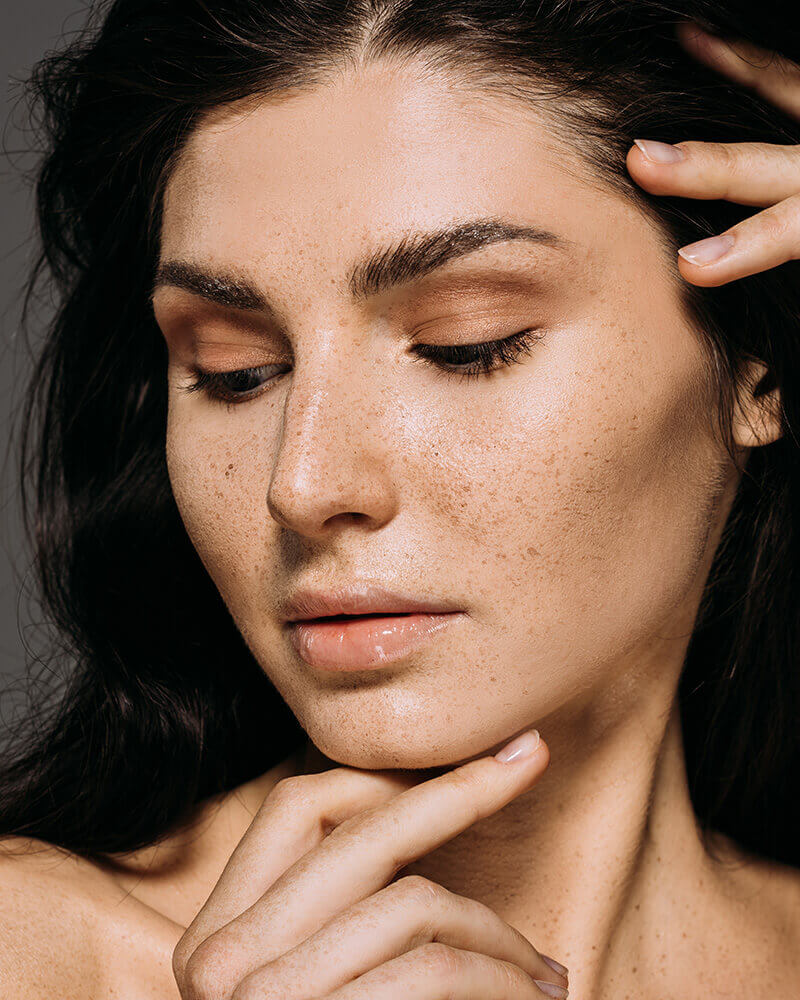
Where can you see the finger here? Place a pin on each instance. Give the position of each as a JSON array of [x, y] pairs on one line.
[[294, 818], [399, 918], [360, 856], [436, 970], [763, 241], [769, 74], [748, 173]]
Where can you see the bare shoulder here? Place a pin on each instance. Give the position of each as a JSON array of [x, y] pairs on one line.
[[762, 897], [776, 896], [106, 929], [782, 887], [47, 945], [68, 930], [770, 886]]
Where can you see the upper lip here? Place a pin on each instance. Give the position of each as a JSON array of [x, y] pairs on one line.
[[357, 599]]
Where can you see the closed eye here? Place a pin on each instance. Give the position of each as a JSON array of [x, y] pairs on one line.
[[464, 361]]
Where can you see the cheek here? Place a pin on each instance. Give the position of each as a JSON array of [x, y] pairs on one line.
[[219, 493], [586, 497]]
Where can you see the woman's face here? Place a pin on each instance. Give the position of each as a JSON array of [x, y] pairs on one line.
[[569, 503]]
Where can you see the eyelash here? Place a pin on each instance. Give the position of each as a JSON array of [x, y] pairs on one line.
[[478, 359]]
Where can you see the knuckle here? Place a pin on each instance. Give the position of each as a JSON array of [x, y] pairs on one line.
[[752, 158], [728, 163], [776, 225], [181, 955], [791, 154], [735, 164], [263, 984], [292, 791], [704, 152], [418, 891], [512, 977], [248, 991], [721, 163], [792, 208], [465, 780], [201, 976], [440, 961]]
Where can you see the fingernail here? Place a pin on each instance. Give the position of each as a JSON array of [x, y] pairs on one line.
[[562, 970], [551, 989], [707, 251], [523, 746], [660, 152]]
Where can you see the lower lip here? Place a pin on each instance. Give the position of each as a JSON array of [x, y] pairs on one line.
[[364, 643]]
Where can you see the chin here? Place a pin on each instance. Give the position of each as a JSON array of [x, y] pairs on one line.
[[386, 748]]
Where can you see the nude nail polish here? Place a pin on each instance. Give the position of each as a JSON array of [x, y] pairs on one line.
[[660, 152], [519, 748], [551, 989], [562, 970], [707, 251]]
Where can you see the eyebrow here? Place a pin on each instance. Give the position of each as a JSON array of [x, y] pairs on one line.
[[410, 258]]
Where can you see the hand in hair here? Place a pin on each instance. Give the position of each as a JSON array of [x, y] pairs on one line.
[[749, 173]]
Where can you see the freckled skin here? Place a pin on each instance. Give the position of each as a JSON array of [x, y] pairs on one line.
[[571, 504]]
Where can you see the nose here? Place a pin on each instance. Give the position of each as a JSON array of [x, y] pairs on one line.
[[334, 458]]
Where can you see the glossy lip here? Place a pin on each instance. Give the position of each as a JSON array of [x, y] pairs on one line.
[[358, 598], [363, 643]]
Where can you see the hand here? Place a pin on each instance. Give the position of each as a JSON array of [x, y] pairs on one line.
[[303, 908], [749, 173]]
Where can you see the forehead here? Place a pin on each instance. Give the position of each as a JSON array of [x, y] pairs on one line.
[[368, 154]]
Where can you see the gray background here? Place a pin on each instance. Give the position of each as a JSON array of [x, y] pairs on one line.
[[29, 30]]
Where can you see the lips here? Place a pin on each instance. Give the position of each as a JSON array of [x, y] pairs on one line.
[[350, 618], [361, 599], [363, 642]]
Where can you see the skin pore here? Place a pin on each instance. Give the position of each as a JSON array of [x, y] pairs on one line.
[[570, 504]]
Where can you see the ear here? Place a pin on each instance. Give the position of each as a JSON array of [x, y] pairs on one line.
[[757, 417]]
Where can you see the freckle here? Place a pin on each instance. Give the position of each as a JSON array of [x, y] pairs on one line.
[[532, 551]]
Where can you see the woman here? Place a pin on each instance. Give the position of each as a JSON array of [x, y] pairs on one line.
[[308, 217]]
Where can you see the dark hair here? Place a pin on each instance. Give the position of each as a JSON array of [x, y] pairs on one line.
[[164, 704]]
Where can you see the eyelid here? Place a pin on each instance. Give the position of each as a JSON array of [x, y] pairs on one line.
[[198, 332], [225, 354], [492, 324]]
